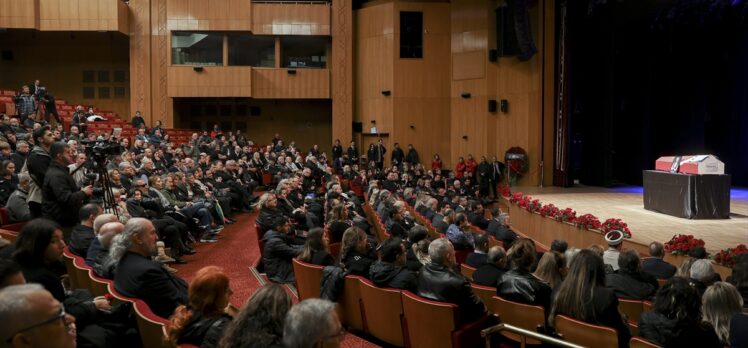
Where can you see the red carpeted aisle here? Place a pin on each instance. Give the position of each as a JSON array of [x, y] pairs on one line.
[[236, 252]]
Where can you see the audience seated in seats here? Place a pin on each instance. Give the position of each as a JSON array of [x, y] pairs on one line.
[[101, 262], [495, 266], [518, 284], [477, 215], [269, 211], [702, 275], [559, 246], [719, 304], [389, 270], [260, 322], [8, 177], [316, 250], [739, 277], [61, 197], [95, 248], [615, 243], [699, 253], [439, 281], [499, 228], [416, 234], [83, 233], [479, 256], [140, 277], [312, 323], [655, 265], [338, 223], [204, 320], [397, 224], [10, 274], [675, 319], [18, 207], [32, 317], [551, 269], [447, 220], [280, 249], [356, 256], [459, 234], [583, 296], [629, 281]]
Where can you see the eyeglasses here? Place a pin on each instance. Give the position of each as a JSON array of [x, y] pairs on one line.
[[60, 316]]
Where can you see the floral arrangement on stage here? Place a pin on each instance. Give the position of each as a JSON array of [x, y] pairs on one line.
[[517, 163], [681, 244], [505, 190], [565, 215], [549, 210], [515, 197], [588, 221], [534, 206], [613, 224], [728, 257]]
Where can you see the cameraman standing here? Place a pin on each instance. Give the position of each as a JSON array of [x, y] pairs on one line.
[[61, 197]]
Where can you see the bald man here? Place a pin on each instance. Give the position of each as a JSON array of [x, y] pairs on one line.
[[31, 317], [102, 264], [95, 247]]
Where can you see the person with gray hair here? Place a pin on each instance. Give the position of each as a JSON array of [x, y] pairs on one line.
[[701, 275], [312, 323], [17, 205], [499, 228], [99, 258], [32, 317], [95, 247], [140, 277], [440, 282], [490, 273], [655, 265]]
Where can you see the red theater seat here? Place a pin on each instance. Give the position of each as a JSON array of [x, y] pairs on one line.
[[588, 335]]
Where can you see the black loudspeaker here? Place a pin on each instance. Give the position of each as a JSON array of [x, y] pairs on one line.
[[197, 68], [493, 55], [358, 127], [292, 71], [504, 105], [465, 95], [513, 35], [492, 105], [386, 92]]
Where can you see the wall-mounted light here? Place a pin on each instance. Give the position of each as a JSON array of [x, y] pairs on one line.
[[464, 137], [386, 92], [412, 127], [465, 95], [197, 68]]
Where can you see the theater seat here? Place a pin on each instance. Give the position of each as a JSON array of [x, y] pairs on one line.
[[67, 259], [485, 293], [383, 313], [638, 342], [528, 317], [81, 270], [150, 326], [588, 335], [350, 304], [632, 308], [99, 286], [467, 271], [308, 278]]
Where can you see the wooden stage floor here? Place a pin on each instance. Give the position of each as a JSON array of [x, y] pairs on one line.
[[646, 226]]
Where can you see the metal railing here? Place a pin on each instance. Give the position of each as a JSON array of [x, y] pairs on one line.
[[486, 333]]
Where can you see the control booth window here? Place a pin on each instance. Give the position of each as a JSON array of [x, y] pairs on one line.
[[197, 48], [304, 52], [251, 50]]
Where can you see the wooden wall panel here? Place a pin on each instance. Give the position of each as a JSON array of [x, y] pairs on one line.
[[19, 14], [213, 81], [290, 19], [209, 15], [139, 25], [83, 15], [341, 69], [279, 84], [161, 104], [469, 65]]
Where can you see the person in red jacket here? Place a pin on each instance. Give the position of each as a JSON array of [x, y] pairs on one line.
[[460, 168], [470, 166], [436, 163]]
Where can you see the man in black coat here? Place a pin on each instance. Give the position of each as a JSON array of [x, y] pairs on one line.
[[62, 199], [138, 276], [37, 165], [495, 266], [440, 282], [499, 228], [477, 215], [389, 271], [337, 150], [479, 256], [496, 174], [655, 265], [397, 155], [83, 233], [629, 281], [279, 251], [412, 156]]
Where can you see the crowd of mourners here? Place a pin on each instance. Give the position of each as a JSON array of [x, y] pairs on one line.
[[167, 198]]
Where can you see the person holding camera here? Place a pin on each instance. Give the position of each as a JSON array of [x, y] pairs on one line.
[[61, 197]]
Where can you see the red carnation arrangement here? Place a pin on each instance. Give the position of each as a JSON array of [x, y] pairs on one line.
[[728, 257], [613, 224], [681, 244], [566, 215], [515, 197], [505, 190], [549, 210], [534, 206], [524, 202], [588, 221]]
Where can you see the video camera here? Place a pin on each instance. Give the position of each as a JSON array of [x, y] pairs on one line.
[[99, 150]]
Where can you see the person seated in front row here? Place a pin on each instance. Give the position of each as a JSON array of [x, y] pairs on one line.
[[355, 253], [630, 282], [479, 256], [495, 266], [316, 250], [101, 261], [583, 296], [655, 265], [204, 320], [260, 322], [389, 270], [518, 284], [280, 249], [440, 282]]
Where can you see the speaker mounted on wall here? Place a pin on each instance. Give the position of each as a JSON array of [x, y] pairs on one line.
[[197, 68], [358, 127], [504, 106], [465, 95], [492, 105]]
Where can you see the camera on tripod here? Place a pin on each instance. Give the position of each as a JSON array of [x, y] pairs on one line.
[[100, 150]]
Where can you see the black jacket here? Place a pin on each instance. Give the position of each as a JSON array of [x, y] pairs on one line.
[[204, 332], [488, 275], [440, 283], [667, 332], [139, 277], [523, 287], [337, 228], [389, 275], [658, 268], [501, 233], [633, 286], [478, 220], [61, 198], [277, 256], [357, 263], [476, 260], [322, 258], [267, 217], [80, 239]]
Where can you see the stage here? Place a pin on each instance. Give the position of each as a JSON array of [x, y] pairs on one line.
[[646, 226]]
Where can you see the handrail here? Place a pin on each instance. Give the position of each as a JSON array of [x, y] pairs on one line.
[[485, 333]]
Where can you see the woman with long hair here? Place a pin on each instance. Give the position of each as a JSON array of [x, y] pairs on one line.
[[203, 321], [518, 284], [260, 322], [721, 301], [338, 223], [675, 319], [354, 252], [316, 251], [583, 296], [551, 268]]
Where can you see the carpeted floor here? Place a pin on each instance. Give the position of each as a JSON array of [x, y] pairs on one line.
[[236, 252]]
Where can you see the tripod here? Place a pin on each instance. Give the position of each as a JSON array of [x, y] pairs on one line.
[[99, 167]]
